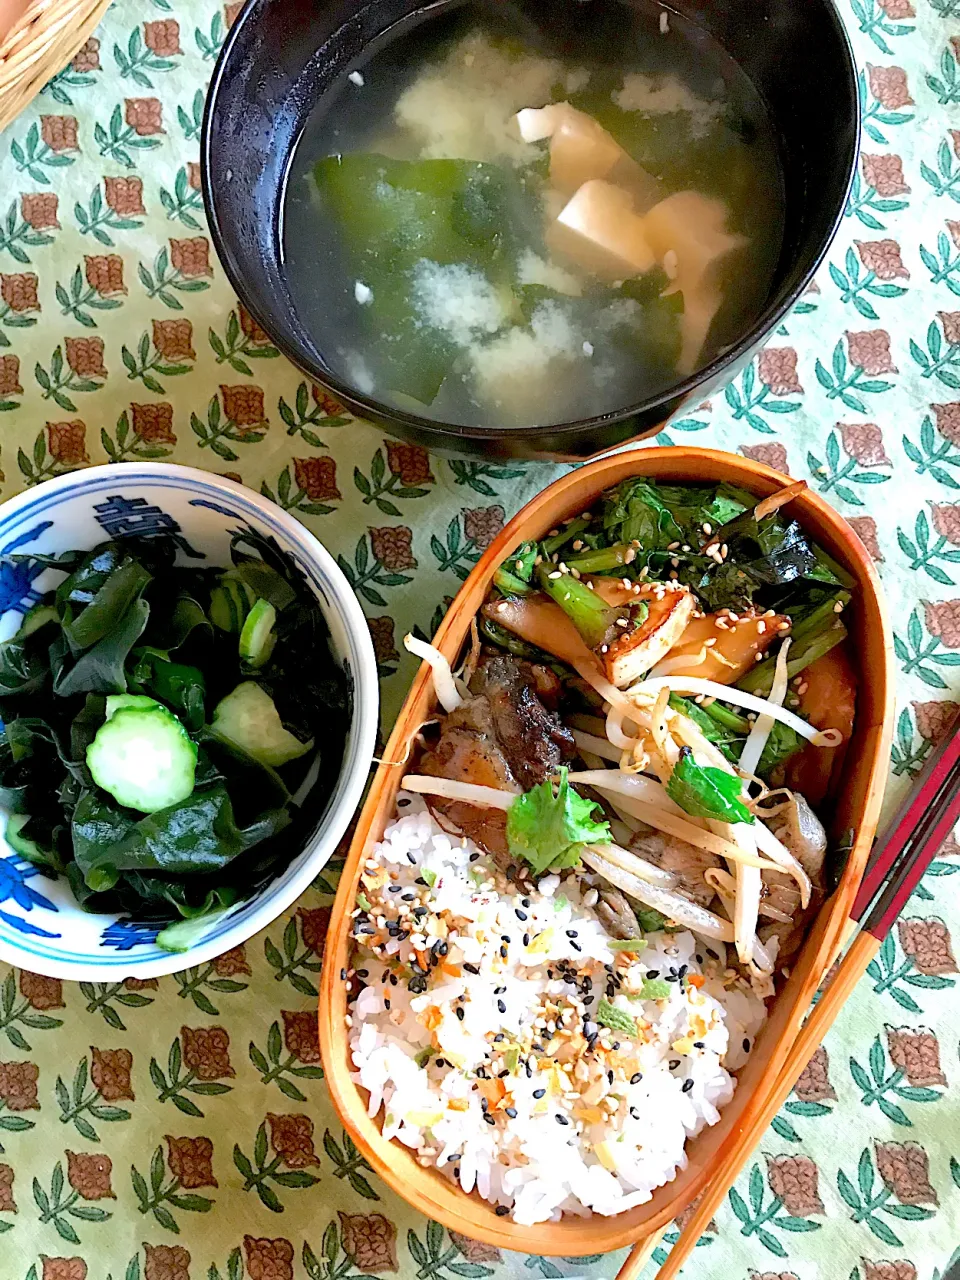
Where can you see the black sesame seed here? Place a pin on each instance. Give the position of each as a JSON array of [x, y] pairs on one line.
[[699, 958], [420, 911], [521, 915], [687, 1086], [501, 1210], [511, 1112], [489, 1119], [526, 939], [394, 888], [653, 973], [411, 858], [674, 1063], [561, 1119], [482, 1073], [461, 1012], [502, 1075], [498, 1037], [484, 1104], [343, 975], [698, 1044], [403, 935], [501, 1007], [439, 1062], [636, 1077], [408, 897], [384, 976], [393, 979], [471, 968], [505, 937], [386, 1004], [528, 1069], [746, 1045], [615, 1045], [420, 880], [363, 973], [525, 902], [474, 857], [442, 949], [503, 951], [635, 1113], [576, 946], [610, 1077], [571, 933], [539, 1093], [498, 991], [682, 971]]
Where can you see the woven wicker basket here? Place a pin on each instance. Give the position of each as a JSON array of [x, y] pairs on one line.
[[39, 45]]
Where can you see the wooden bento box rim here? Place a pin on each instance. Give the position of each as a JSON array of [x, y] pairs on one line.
[[864, 778]]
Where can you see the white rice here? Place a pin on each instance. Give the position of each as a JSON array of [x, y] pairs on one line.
[[523, 1095]]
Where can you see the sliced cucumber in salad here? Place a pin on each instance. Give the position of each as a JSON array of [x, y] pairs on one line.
[[142, 755], [258, 636], [248, 718], [230, 602]]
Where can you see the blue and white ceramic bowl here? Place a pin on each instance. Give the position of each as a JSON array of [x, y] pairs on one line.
[[41, 926]]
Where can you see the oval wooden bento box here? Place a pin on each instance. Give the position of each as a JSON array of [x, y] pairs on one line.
[[858, 808]]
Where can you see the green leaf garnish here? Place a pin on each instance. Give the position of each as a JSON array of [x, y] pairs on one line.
[[655, 989], [424, 1056], [429, 876], [548, 828], [609, 1015], [706, 792], [627, 944]]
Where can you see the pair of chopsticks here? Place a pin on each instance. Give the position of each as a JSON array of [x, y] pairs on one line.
[[914, 836]]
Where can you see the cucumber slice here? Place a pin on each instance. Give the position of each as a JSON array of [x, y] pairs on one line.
[[248, 718], [143, 757], [258, 637], [230, 603], [22, 844], [36, 618], [127, 701]]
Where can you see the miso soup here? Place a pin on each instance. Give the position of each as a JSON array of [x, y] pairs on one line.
[[532, 214]]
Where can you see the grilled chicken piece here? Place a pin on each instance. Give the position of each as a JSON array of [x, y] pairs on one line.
[[686, 861], [670, 607], [533, 740], [615, 914], [799, 828], [502, 737]]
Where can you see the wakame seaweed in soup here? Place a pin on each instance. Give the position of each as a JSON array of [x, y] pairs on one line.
[[533, 219]]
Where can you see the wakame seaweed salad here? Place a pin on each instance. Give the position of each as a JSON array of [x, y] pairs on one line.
[[170, 733]]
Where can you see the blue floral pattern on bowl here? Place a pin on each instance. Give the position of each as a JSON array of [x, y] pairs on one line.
[[45, 930]]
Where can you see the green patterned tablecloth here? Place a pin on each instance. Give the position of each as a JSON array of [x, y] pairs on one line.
[[181, 1130]]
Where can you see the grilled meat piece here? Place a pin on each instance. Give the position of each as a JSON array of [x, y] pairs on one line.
[[799, 828], [685, 861], [615, 914], [533, 739], [502, 737]]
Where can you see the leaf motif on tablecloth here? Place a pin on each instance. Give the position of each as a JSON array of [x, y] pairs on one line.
[[914, 1067], [291, 1137], [80, 1105], [300, 1041]]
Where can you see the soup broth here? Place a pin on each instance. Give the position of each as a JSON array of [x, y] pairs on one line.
[[502, 219]]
